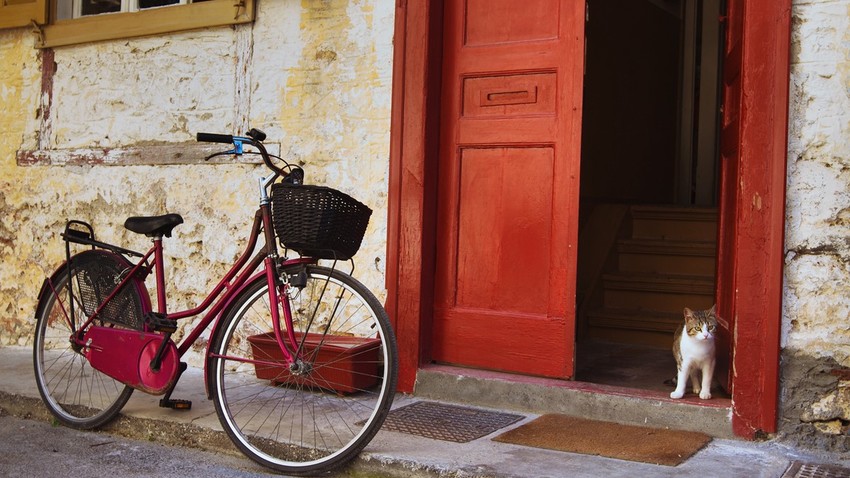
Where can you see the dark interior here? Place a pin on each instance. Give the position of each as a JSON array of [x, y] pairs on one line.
[[644, 69], [631, 94]]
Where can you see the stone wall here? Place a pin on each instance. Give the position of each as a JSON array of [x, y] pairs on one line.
[[815, 390], [106, 130]]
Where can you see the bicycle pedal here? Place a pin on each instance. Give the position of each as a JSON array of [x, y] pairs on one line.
[[175, 404], [160, 323]]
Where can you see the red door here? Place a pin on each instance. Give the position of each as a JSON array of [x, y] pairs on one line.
[[508, 185]]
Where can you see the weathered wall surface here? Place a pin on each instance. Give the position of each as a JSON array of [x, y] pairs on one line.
[[315, 76], [815, 396], [19, 245]]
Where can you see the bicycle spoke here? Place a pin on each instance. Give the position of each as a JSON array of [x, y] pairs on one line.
[[77, 394], [318, 413]]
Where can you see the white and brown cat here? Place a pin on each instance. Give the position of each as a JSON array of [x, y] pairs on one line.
[[693, 347]]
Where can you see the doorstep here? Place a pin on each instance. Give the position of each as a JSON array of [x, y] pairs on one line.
[[599, 402]]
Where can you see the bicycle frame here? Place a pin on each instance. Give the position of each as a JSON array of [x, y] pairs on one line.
[[241, 273], [302, 401]]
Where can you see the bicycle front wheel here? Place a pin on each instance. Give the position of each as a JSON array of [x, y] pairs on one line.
[[75, 393], [319, 413]]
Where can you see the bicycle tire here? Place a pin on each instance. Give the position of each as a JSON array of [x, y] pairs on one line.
[[75, 393], [309, 423]]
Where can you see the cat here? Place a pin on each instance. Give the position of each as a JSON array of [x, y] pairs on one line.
[[693, 348]]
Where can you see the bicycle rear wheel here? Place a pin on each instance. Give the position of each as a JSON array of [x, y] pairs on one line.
[[320, 414], [75, 393]]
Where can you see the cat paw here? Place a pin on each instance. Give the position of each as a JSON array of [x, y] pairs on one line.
[[676, 394], [705, 395]]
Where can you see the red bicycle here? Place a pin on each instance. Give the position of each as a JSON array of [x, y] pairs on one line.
[[301, 360]]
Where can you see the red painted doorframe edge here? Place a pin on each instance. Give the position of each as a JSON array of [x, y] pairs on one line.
[[760, 211], [760, 215], [414, 137]]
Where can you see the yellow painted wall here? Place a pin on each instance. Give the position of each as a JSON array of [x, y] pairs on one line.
[[20, 245]]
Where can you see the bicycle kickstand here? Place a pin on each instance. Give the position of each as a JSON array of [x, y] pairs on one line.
[[175, 404]]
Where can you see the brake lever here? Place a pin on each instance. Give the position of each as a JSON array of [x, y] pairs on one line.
[[237, 150]]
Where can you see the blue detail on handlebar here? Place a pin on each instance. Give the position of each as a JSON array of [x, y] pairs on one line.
[[237, 146]]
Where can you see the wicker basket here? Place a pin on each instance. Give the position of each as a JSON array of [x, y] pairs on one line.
[[318, 221]]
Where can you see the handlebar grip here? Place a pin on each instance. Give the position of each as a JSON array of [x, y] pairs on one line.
[[214, 138]]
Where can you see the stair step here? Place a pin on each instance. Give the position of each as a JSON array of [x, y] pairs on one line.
[[636, 319], [633, 326], [671, 257], [658, 246], [668, 263], [676, 223], [685, 214], [661, 292], [672, 283]]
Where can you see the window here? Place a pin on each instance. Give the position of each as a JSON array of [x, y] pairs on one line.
[[66, 9], [68, 22]]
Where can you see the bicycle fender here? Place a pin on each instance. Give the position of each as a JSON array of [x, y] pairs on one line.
[[47, 288]]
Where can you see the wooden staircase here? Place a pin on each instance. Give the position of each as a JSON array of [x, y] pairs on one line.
[[662, 262]]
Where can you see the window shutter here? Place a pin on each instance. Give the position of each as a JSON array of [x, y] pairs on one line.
[[20, 13]]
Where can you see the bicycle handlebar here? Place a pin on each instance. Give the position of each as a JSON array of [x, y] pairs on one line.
[[255, 138], [215, 138]]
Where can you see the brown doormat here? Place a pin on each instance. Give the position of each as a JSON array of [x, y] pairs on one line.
[[613, 440]]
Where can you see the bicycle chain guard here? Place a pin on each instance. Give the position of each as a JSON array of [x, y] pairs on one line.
[[126, 356]]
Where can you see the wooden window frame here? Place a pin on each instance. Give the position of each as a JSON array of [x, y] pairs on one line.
[[155, 21]]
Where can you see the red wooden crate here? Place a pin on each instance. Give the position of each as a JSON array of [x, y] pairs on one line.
[[344, 364]]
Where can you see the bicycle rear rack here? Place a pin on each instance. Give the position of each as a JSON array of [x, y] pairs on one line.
[[86, 237], [80, 232]]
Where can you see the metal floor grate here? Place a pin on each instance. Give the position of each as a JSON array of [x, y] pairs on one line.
[[811, 470], [447, 422]]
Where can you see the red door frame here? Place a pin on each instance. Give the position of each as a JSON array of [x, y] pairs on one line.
[[759, 210]]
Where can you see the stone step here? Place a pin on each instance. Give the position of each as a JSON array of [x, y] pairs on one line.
[[637, 319], [598, 402], [634, 326], [661, 292], [670, 257], [674, 223]]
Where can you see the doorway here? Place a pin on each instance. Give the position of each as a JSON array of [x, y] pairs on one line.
[[649, 188], [751, 208]]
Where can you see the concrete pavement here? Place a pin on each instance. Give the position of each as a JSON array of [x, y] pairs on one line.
[[404, 455]]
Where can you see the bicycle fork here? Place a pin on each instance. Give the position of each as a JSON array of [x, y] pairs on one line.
[[289, 345]]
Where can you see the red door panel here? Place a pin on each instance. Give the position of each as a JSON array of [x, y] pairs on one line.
[[508, 185], [496, 201]]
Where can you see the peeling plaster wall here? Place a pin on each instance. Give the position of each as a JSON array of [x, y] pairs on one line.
[[815, 403], [20, 240], [315, 76]]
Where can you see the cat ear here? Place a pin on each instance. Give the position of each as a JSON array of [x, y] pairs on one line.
[[712, 309], [688, 313]]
